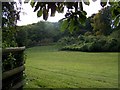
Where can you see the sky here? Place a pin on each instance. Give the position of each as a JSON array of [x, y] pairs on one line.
[[27, 16]]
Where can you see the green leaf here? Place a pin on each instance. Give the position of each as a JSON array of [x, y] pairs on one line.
[[103, 3], [84, 13], [117, 21], [81, 6], [76, 6], [45, 14], [71, 26], [39, 13], [86, 2], [112, 11], [53, 10], [60, 8], [115, 12], [69, 5], [64, 25], [82, 21], [32, 3], [82, 18], [111, 2], [36, 7]]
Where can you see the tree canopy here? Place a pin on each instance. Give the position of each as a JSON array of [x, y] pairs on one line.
[[102, 21], [10, 15], [75, 13]]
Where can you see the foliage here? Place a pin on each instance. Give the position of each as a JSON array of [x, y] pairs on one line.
[[10, 15], [67, 40], [75, 14], [102, 22], [94, 40], [12, 60], [92, 44], [103, 37], [88, 33], [115, 10], [8, 37], [41, 33], [71, 19], [8, 63], [21, 31]]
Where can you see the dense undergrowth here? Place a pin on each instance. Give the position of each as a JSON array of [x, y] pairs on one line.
[[92, 43]]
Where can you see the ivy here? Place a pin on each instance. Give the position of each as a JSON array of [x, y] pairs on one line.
[[9, 63], [39, 13]]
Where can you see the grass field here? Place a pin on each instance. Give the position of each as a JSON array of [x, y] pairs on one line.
[[46, 67]]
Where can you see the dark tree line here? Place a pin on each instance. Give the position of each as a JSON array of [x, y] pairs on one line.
[[41, 33]]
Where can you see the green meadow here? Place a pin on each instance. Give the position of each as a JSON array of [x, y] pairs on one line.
[[47, 67]]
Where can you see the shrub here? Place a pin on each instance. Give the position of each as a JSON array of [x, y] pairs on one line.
[[94, 44], [88, 33], [68, 41], [111, 45]]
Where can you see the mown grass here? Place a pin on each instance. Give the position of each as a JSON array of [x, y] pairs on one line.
[[46, 67]]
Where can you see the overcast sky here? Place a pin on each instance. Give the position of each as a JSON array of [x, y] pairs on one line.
[[30, 17]]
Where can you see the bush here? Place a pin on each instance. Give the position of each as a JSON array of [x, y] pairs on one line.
[[111, 45], [84, 47], [93, 43], [67, 41], [88, 33]]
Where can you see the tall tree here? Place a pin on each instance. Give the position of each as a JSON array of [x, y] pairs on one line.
[[102, 21], [10, 15]]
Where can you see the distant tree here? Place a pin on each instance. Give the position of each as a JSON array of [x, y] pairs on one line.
[[88, 25], [102, 21], [38, 33], [21, 36]]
